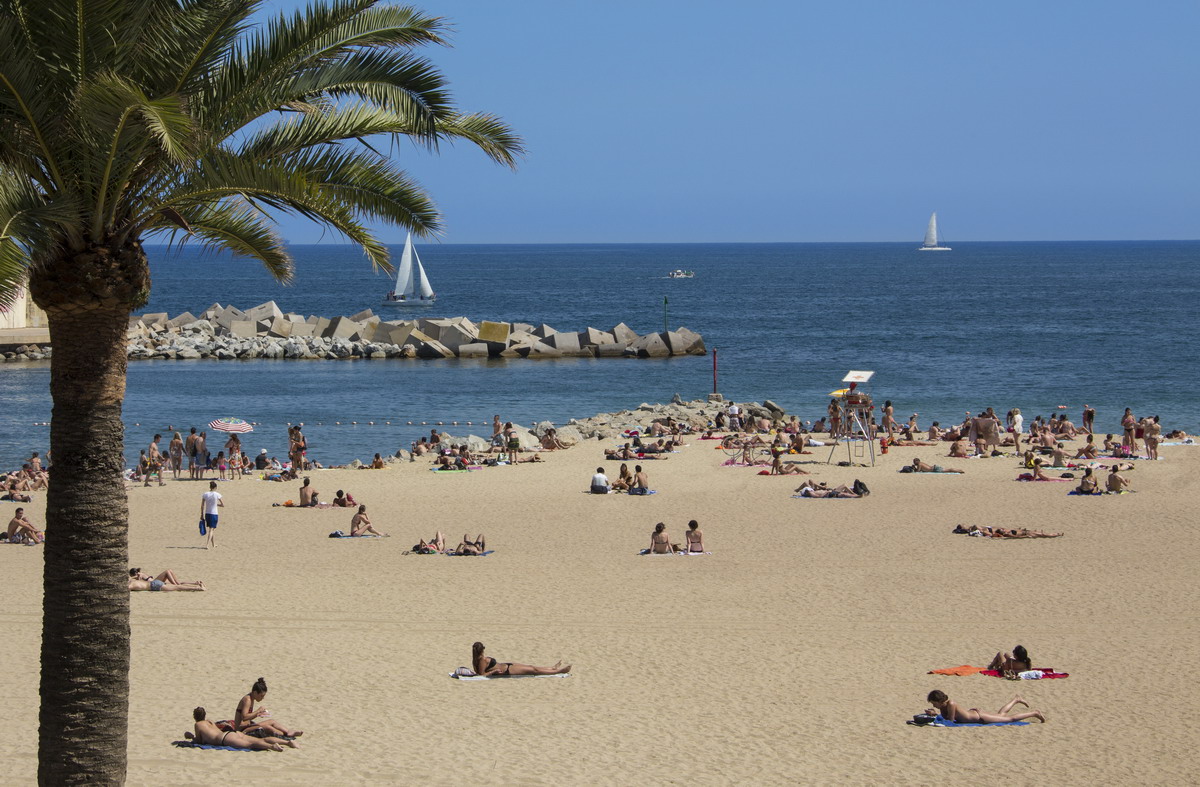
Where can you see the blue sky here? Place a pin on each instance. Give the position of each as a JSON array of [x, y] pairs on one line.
[[690, 120]]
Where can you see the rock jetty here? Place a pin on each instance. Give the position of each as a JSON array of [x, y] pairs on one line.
[[698, 414], [265, 331]]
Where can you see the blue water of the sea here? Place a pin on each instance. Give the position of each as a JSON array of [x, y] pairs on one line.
[[1031, 325]]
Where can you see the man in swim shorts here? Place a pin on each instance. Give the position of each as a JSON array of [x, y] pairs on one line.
[[210, 501], [164, 581]]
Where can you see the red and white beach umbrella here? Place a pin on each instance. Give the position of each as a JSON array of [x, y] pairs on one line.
[[230, 425]]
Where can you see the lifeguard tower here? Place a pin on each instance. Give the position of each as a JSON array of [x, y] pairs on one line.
[[854, 429]]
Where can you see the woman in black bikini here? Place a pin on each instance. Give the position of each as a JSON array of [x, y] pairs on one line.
[[489, 667], [248, 720], [1017, 661]]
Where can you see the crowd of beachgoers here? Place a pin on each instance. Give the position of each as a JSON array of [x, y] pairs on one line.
[[765, 439]]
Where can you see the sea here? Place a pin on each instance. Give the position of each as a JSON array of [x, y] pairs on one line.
[[1043, 326]]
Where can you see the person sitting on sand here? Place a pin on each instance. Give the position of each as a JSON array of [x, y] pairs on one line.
[[164, 581], [600, 484], [377, 463], [1012, 663], [958, 449], [1089, 450], [490, 668], [208, 734], [641, 484], [1116, 483], [1058, 457], [21, 531], [694, 537], [360, 524], [308, 494], [258, 722], [432, 546], [946, 708], [624, 479], [921, 467], [343, 500], [624, 452], [1038, 473], [660, 542], [469, 547], [811, 489], [550, 441], [1089, 484], [779, 468]]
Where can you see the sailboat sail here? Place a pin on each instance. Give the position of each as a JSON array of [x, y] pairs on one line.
[[404, 272], [412, 285], [422, 283], [931, 236]]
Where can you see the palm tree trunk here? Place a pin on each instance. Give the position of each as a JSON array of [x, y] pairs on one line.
[[85, 614]]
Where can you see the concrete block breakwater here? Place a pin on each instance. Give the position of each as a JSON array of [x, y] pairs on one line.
[[229, 333]]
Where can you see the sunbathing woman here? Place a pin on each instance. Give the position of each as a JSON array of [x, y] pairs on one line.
[[920, 467], [1088, 485], [1017, 661], [810, 489], [432, 546], [209, 734], [946, 708], [779, 468], [257, 722], [490, 668], [695, 538], [360, 524], [660, 542], [1089, 450]]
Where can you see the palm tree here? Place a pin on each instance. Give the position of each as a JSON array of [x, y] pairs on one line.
[[122, 119]]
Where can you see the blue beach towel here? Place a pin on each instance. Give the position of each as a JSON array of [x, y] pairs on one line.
[[940, 722], [194, 745]]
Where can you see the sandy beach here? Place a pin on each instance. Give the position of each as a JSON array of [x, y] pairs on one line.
[[793, 653]]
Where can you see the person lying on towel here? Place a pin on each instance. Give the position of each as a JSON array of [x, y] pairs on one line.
[[946, 708]]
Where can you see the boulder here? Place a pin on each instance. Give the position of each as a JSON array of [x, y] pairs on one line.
[[570, 435], [279, 328], [652, 345], [199, 326], [245, 329], [264, 311], [614, 350], [542, 350], [623, 334], [473, 350], [188, 353], [342, 328], [565, 343], [689, 342], [522, 326], [454, 336], [543, 330], [181, 320], [363, 315], [157, 318], [301, 330], [595, 337], [494, 331], [226, 317], [433, 349]]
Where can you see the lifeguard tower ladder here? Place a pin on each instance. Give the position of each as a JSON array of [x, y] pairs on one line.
[[856, 406]]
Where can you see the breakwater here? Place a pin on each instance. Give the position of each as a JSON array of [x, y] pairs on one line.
[[265, 331]]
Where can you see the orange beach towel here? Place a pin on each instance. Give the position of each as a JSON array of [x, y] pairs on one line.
[[965, 669]]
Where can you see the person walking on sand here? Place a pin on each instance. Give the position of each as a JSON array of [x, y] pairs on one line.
[[210, 501], [193, 456], [946, 708], [155, 458], [175, 451]]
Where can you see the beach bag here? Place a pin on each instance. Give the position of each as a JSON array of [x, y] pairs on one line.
[[337, 534], [203, 527]]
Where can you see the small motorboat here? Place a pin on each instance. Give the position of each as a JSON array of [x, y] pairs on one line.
[[680, 274]]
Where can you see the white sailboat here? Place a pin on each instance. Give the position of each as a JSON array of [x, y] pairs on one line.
[[412, 285], [931, 236]]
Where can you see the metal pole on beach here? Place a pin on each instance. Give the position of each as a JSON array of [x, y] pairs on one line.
[[714, 370], [665, 328]]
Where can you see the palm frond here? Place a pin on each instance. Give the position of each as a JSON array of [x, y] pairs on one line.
[[236, 226], [487, 132]]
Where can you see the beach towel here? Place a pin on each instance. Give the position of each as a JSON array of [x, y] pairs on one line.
[[1085, 494], [448, 472], [806, 497], [452, 553], [1029, 477], [465, 673], [940, 722], [1043, 674], [347, 535], [965, 669], [194, 745]]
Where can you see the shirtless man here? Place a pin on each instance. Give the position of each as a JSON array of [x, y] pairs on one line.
[[946, 708], [1116, 482], [308, 494], [154, 462], [164, 581], [209, 734], [189, 450], [935, 432], [640, 485], [921, 467], [20, 531]]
